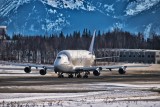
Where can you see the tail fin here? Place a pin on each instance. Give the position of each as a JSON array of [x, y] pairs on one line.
[[92, 42]]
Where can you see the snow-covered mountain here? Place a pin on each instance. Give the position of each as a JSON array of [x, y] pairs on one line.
[[53, 16]]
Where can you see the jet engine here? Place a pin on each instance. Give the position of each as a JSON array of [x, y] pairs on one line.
[[27, 69], [43, 71], [97, 71], [121, 71]]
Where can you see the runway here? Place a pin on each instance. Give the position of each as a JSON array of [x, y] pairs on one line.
[[109, 89]]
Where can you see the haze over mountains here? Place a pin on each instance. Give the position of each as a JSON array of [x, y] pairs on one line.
[[32, 17]]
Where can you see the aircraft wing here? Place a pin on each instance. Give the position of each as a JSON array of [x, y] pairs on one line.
[[92, 68], [33, 65]]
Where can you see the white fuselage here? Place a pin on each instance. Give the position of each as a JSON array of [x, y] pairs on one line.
[[67, 60]]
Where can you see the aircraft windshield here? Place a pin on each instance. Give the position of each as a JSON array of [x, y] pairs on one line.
[[58, 57]]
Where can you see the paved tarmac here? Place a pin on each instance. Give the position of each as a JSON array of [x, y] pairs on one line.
[[13, 78], [141, 86]]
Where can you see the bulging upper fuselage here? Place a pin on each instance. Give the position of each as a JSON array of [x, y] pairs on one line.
[[68, 60]]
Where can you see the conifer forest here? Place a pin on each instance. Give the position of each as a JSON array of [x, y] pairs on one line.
[[44, 48]]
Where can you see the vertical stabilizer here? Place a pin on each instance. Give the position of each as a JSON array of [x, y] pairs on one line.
[[92, 43]]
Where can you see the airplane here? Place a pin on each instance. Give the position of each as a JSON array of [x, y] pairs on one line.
[[77, 62]]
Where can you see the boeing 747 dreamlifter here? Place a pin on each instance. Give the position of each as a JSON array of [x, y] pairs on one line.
[[77, 62]]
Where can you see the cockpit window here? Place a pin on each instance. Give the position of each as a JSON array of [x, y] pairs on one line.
[[90, 53], [58, 57]]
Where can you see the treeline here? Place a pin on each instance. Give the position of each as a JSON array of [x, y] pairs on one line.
[[43, 49]]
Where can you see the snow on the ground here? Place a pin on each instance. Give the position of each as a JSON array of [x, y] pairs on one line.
[[114, 94], [90, 99]]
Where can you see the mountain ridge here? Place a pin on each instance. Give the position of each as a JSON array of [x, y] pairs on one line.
[[53, 16]]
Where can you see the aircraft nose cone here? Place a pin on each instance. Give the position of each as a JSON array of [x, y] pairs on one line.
[[57, 62]]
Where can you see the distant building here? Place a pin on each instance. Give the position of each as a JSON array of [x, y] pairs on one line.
[[3, 30], [131, 55]]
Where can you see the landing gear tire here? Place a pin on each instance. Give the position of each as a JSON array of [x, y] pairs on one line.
[[79, 76], [70, 76], [85, 76], [60, 75]]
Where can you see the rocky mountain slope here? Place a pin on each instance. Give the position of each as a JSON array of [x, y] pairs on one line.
[[52, 16]]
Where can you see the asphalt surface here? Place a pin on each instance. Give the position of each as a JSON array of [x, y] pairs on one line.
[[136, 87], [30, 83]]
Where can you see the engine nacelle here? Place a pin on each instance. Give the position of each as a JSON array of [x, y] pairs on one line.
[[43, 72], [27, 69], [121, 71], [97, 72]]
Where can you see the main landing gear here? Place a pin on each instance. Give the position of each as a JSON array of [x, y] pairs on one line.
[[60, 75], [70, 75], [86, 74], [78, 75]]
